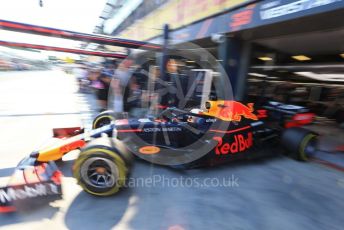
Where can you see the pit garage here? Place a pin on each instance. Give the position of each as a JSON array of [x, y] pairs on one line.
[[288, 52], [302, 67]]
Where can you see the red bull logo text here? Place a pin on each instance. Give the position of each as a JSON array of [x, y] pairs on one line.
[[240, 144]]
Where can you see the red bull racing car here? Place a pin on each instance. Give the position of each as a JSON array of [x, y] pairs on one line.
[[225, 131]]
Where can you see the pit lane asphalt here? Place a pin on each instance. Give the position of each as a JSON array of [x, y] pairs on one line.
[[276, 193]]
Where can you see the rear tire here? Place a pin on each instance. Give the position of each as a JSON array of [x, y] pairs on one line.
[[101, 170], [299, 142]]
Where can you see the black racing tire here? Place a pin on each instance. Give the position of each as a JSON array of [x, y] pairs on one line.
[[298, 141], [102, 119], [101, 169]]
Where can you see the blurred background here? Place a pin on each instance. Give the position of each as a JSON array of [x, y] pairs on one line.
[[297, 44]]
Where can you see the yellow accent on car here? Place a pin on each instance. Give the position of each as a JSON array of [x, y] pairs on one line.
[[57, 151], [50, 154]]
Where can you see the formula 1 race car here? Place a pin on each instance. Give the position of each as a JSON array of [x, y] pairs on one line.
[[225, 131]]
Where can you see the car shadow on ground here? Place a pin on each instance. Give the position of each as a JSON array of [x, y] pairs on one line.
[[92, 212], [143, 200], [29, 215], [86, 210], [263, 185], [29, 210]]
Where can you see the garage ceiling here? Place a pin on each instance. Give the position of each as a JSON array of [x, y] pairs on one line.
[[315, 43]]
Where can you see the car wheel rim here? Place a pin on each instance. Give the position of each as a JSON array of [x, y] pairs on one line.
[[99, 172]]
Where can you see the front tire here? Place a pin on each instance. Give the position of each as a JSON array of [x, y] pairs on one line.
[[101, 170]]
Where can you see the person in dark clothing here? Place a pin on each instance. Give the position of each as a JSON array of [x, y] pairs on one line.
[[103, 82], [103, 91]]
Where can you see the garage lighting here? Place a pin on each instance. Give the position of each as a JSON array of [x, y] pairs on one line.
[[322, 77], [301, 58], [257, 75], [265, 58]]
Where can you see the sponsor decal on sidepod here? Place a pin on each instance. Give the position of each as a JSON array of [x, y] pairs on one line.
[[240, 144]]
